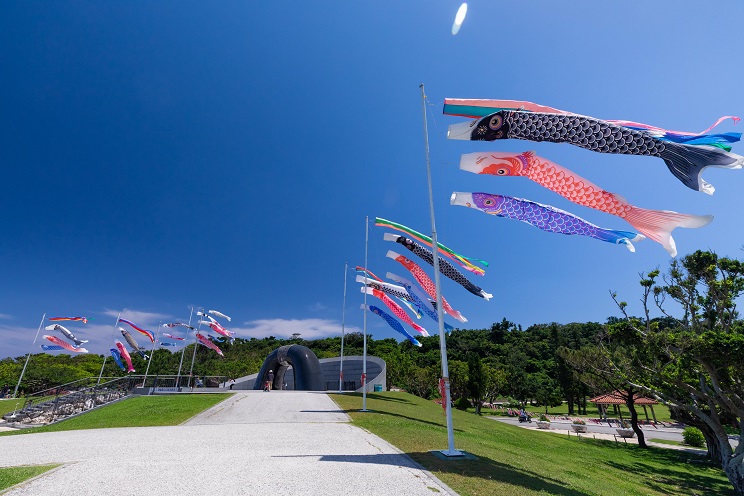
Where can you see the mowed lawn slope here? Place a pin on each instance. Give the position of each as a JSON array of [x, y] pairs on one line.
[[140, 411], [515, 461], [15, 475]]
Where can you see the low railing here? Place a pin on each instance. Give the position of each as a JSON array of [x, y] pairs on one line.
[[181, 383]]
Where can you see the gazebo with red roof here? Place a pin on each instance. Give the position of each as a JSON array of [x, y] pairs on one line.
[[617, 398]]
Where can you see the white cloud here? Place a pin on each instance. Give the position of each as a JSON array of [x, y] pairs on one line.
[[284, 328], [5, 316], [317, 307]]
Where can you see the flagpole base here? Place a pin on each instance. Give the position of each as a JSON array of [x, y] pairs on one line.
[[453, 455]]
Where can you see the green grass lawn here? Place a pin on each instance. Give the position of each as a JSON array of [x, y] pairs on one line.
[[8, 405], [140, 411], [11, 476], [517, 461]]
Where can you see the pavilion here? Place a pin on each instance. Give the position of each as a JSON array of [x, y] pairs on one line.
[[617, 398]]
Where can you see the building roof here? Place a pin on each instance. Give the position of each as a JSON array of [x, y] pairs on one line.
[[618, 398]]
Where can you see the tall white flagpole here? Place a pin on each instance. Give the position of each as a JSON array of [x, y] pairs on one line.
[[105, 355], [152, 352], [28, 357], [451, 451], [193, 356], [183, 352], [364, 361], [343, 331]]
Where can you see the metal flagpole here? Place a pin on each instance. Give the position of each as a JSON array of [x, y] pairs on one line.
[[364, 361], [343, 331], [105, 356], [152, 352], [451, 451], [196, 345], [183, 352], [28, 357]]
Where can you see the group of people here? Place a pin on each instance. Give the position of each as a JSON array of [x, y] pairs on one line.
[[4, 391], [198, 383], [269, 381]]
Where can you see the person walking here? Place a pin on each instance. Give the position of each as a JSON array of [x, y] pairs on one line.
[[232, 383], [269, 381]]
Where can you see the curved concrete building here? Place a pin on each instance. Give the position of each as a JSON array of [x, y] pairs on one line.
[[329, 375]]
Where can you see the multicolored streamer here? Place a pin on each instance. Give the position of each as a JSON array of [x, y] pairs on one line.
[[149, 335], [84, 320], [462, 260]]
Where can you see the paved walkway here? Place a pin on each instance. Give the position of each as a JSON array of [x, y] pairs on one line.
[[254, 443]]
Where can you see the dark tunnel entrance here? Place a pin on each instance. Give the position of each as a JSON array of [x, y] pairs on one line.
[[305, 365]]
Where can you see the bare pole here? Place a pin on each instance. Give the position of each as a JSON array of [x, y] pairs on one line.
[[451, 451], [364, 360], [28, 357], [105, 356], [343, 330], [183, 352]]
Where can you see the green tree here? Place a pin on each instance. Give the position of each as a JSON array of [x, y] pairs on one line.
[[695, 363], [476, 381]]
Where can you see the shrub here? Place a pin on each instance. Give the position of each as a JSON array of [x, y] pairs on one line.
[[543, 418], [578, 421], [462, 404], [693, 437]]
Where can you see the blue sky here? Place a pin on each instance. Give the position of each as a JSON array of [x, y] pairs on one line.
[[160, 155]]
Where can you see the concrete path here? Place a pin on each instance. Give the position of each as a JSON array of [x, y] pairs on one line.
[[254, 443]]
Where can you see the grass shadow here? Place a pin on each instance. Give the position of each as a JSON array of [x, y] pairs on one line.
[[387, 397], [491, 470], [660, 466], [481, 468], [394, 459]]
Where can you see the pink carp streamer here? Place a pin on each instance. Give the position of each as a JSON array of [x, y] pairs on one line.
[[64, 344], [426, 283], [209, 344], [84, 320], [217, 327], [125, 355], [397, 310], [131, 324], [173, 337], [654, 224]]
